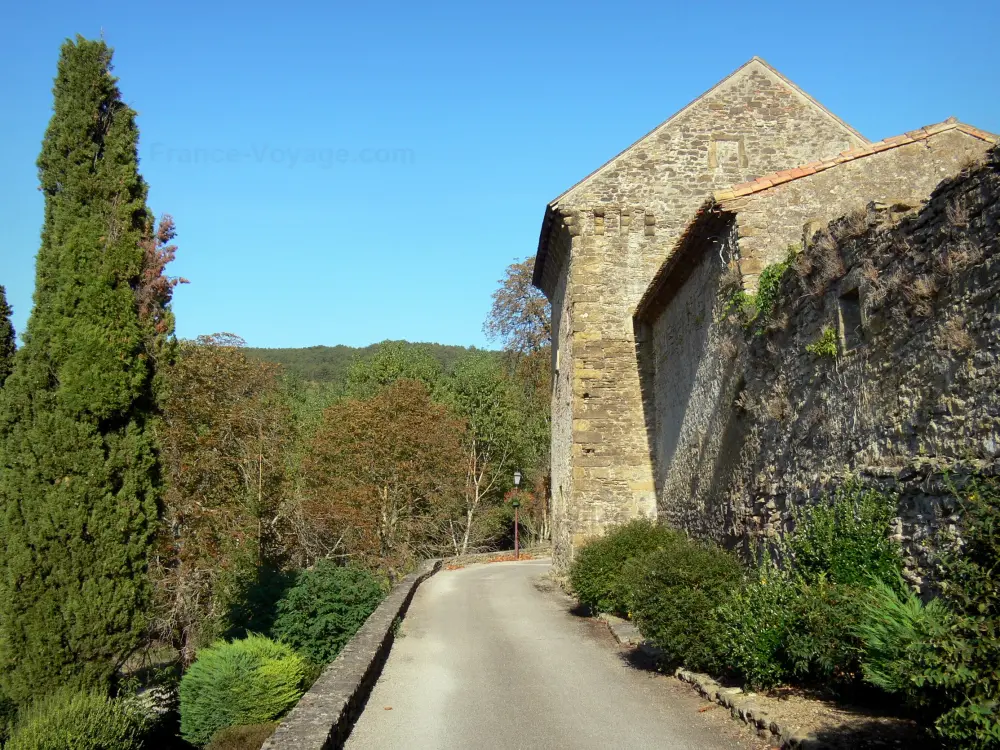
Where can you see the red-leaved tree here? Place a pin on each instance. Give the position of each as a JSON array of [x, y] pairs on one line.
[[384, 476]]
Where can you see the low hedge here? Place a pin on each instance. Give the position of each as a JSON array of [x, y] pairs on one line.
[[324, 608], [596, 575], [839, 615], [756, 622], [676, 594]]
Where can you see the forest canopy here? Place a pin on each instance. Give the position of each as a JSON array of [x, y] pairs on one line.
[[330, 364]]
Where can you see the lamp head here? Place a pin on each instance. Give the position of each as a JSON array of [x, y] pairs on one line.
[[517, 478]]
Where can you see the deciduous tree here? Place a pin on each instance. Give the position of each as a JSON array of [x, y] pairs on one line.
[[384, 474], [521, 316], [392, 361], [497, 440], [79, 476], [521, 319], [225, 437]]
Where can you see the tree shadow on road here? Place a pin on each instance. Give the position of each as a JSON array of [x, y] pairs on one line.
[[637, 658], [870, 734]]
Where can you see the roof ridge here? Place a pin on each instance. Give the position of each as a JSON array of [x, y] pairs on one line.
[[787, 175], [703, 95], [816, 102]]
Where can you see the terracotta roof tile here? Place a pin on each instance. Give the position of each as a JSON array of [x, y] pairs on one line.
[[897, 140], [786, 175], [976, 132]]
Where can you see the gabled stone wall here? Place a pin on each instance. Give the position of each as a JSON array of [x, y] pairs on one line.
[[603, 241]]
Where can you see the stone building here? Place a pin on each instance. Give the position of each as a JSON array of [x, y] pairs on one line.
[[745, 420], [605, 240]]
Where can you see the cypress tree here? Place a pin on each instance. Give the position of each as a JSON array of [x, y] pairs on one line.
[[79, 477], [7, 346]]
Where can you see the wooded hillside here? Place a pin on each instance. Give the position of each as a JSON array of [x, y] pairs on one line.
[[329, 364]]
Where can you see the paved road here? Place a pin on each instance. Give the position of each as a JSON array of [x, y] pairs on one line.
[[491, 657]]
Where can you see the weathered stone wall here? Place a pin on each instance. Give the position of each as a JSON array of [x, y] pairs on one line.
[[621, 223], [913, 394], [695, 428], [693, 382], [771, 221]]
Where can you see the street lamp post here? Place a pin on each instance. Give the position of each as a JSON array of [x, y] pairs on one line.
[[516, 504]]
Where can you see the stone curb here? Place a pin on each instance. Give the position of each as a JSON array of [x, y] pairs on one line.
[[325, 715], [740, 704]]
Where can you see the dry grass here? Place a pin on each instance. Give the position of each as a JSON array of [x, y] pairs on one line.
[[803, 263], [778, 406], [853, 224], [731, 278], [952, 336], [920, 294], [957, 213], [745, 402], [956, 258], [828, 262], [869, 271], [970, 163], [882, 287], [728, 348], [901, 245]]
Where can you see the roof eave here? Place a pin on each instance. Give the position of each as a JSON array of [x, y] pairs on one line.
[[543, 247]]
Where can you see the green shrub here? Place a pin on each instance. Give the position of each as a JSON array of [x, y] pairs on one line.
[[79, 720], [825, 345], [743, 305], [846, 540], [676, 601], [769, 283], [750, 307], [325, 607], [756, 622], [247, 737], [250, 681], [596, 573], [822, 644], [959, 666], [893, 627]]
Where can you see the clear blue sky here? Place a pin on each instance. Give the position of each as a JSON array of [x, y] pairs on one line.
[[458, 123]]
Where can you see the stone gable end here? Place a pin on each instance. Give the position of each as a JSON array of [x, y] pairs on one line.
[[601, 243]]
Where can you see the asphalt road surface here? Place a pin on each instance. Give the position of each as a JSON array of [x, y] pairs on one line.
[[491, 656]]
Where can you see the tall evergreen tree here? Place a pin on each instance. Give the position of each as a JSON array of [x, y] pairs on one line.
[[79, 476], [7, 346]]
